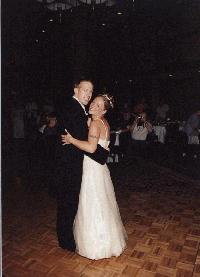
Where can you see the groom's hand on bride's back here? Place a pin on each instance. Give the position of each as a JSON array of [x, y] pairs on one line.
[[100, 155], [65, 138]]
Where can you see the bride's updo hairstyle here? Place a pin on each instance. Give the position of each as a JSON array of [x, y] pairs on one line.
[[108, 101]]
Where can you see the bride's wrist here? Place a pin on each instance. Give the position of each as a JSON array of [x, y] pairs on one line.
[[71, 140]]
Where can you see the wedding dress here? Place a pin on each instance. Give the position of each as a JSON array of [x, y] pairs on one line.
[[98, 229]]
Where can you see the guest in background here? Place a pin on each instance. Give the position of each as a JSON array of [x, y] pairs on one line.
[[162, 110], [139, 129], [51, 127], [50, 135], [17, 115], [192, 128], [44, 151], [126, 115], [122, 137], [18, 142], [42, 121], [31, 136], [141, 106], [31, 109]]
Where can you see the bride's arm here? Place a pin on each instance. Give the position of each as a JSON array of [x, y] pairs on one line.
[[91, 144]]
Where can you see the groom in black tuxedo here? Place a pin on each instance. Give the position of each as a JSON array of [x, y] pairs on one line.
[[70, 161]]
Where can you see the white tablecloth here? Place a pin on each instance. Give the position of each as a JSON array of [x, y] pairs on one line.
[[114, 157], [160, 131], [193, 140]]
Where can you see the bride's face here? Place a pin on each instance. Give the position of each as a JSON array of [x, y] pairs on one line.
[[97, 107]]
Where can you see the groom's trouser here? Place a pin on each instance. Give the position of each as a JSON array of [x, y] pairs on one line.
[[68, 185]]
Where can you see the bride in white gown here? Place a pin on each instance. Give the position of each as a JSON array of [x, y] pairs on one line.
[[98, 228]]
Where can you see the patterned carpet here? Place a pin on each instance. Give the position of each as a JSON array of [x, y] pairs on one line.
[[160, 209]]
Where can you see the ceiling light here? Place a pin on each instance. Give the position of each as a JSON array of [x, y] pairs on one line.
[[93, 2], [61, 5]]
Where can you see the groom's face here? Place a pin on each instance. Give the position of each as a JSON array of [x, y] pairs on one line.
[[83, 92]]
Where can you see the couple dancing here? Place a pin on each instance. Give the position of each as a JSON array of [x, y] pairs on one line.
[[88, 218]]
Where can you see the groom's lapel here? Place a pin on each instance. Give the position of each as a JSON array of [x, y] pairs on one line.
[[81, 105]]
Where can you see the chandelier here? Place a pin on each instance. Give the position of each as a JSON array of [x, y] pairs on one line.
[[62, 5]]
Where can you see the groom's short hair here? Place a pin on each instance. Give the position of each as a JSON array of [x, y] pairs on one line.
[[82, 79]]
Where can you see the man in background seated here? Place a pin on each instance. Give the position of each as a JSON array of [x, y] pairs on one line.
[[192, 128]]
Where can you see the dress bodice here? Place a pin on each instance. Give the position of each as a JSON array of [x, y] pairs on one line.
[[104, 143]]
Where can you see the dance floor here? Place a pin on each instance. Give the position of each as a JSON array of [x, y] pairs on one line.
[[160, 209]]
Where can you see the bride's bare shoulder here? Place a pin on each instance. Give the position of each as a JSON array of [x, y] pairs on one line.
[[94, 124]]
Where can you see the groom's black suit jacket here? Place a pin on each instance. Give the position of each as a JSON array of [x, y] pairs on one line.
[[73, 119]]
